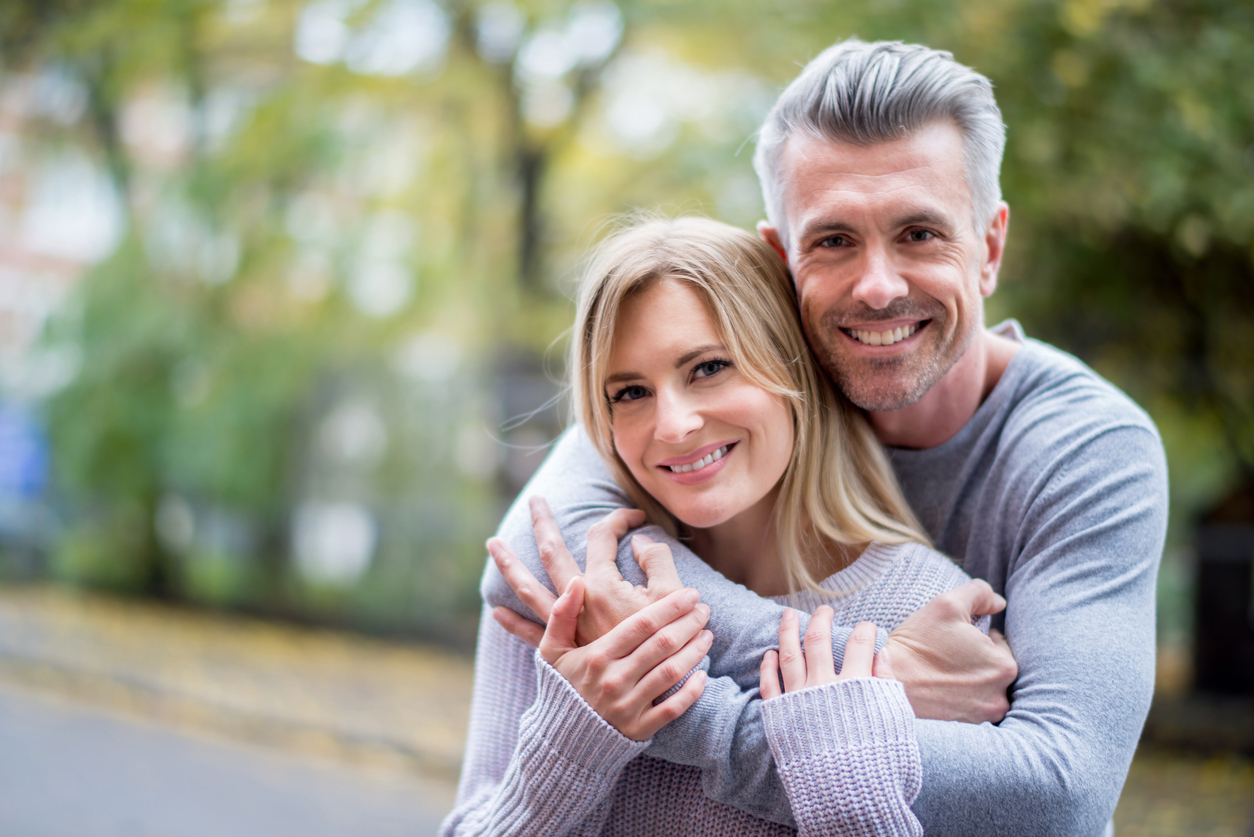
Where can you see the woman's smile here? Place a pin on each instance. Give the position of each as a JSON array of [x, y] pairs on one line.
[[702, 465]]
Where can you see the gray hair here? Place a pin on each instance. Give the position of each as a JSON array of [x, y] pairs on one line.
[[864, 93]]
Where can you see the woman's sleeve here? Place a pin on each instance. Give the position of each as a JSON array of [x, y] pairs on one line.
[[847, 757], [539, 760]]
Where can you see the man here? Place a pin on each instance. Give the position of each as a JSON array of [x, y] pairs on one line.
[[879, 166]]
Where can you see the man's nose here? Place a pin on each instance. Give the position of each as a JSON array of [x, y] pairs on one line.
[[677, 416], [879, 282]]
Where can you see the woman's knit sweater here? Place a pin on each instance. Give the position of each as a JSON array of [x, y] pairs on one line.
[[540, 761]]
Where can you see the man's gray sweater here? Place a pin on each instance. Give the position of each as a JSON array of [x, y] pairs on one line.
[[1055, 492]]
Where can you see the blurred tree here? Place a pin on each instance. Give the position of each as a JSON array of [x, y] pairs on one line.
[[319, 194]]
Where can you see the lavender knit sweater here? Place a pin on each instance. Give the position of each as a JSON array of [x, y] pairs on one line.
[[540, 761]]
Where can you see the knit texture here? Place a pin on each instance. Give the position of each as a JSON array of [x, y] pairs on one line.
[[1055, 492], [846, 751]]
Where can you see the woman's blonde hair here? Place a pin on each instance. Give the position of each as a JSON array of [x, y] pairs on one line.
[[838, 486]]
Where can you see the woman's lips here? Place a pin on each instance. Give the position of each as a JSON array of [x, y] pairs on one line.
[[701, 465]]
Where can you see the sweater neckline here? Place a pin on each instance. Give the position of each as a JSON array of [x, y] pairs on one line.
[[874, 561]]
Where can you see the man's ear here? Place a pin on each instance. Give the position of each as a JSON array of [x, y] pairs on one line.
[[994, 249], [771, 236]]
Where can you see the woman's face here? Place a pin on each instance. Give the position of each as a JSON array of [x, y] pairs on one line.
[[698, 436]]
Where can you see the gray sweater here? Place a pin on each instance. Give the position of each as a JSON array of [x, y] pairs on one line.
[[1055, 492], [540, 761]]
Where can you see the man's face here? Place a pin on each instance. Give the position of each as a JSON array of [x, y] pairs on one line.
[[889, 269]]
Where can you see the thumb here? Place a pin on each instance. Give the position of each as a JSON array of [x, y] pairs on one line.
[[559, 635], [658, 564], [977, 598], [883, 665]]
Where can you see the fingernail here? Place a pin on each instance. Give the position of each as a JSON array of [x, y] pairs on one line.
[[706, 636], [691, 596], [703, 609]]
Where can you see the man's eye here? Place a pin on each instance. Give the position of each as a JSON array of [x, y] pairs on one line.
[[631, 393], [710, 367], [834, 241], [920, 235]]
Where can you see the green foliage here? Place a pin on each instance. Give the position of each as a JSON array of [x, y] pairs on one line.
[[231, 322]]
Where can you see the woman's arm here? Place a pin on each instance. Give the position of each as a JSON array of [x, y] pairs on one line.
[[594, 709], [539, 760]]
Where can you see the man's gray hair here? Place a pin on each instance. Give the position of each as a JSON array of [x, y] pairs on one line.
[[864, 93]]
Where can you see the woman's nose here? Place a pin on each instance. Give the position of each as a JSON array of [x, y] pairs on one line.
[[677, 417]]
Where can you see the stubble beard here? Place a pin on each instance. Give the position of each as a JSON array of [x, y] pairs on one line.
[[883, 384]]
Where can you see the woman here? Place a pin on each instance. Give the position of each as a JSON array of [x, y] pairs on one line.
[[694, 382]]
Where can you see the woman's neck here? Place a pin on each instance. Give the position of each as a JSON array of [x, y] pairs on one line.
[[745, 549]]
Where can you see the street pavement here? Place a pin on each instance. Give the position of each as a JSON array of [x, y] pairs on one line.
[[70, 770], [139, 720]]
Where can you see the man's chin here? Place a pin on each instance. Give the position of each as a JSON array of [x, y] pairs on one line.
[[881, 398]]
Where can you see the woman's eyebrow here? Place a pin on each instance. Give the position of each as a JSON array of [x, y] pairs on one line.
[[697, 352], [622, 376]]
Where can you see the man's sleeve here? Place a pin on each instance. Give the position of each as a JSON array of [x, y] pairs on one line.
[[1080, 621]]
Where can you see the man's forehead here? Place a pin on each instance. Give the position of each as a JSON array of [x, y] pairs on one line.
[[925, 168]]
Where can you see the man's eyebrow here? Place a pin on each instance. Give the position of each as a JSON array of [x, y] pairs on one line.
[[924, 216], [687, 357], [826, 227]]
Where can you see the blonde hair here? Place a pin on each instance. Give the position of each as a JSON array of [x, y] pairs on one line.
[[838, 486]]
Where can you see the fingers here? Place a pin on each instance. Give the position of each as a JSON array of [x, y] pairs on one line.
[[655, 652], [529, 591], [603, 538], [526, 630], [976, 598], [818, 643], [769, 675], [553, 552], [559, 635], [792, 665], [635, 629], [859, 652], [658, 564], [656, 717], [673, 669]]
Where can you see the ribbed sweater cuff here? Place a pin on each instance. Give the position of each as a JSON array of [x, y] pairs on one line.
[[847, 714], [570, 726]]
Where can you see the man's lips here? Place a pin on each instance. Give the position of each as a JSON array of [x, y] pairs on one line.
[[884, 334], [700, 453]]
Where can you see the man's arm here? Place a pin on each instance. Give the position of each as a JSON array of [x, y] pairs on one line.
[[722, 733], [1080, 620]]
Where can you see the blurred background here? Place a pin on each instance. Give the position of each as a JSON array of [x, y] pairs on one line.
[[284, 288]]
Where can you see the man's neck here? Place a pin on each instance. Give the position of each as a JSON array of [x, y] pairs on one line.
[[946, 408]]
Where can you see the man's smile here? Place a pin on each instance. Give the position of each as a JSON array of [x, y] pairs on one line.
[[879, 336]]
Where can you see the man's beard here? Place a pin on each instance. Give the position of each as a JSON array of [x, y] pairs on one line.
[[881, 384]]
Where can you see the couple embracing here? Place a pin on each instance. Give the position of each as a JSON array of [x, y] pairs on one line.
[[833, 557]]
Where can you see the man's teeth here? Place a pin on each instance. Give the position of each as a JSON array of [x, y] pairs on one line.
[[700, 463], [884, 338]]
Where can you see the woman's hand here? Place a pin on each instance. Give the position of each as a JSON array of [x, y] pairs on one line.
[[623, 672], [608, 597], [817, 667]]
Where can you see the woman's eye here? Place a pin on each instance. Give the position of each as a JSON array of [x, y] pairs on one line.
[[710, 367], [631, 393]]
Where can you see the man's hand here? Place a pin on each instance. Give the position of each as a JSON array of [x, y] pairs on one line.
[[952, 671], [608, 599]]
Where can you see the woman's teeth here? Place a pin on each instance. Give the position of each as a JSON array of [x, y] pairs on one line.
[[883, 338], [700, 463]]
